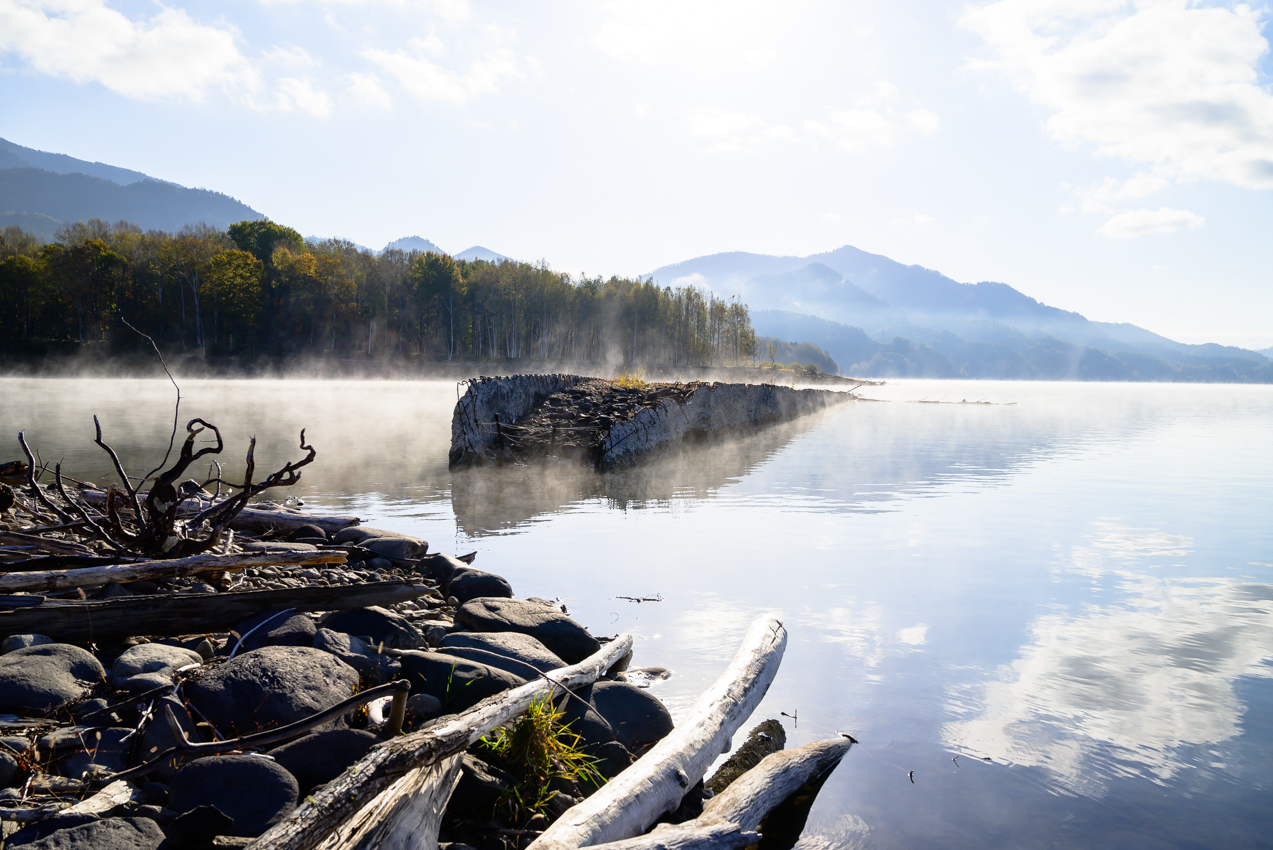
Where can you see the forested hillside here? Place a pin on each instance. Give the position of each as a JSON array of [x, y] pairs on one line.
[[257, 289]]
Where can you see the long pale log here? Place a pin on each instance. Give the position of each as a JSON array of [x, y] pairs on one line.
[[757, 792], [189, 613], [405, 816], [628, 804], [729, 819], [342, 798], [48, 581], [258, 519]]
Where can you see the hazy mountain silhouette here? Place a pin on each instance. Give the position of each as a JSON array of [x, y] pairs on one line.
[[477, 252], [413, 243], [878, 317], [39, 191]]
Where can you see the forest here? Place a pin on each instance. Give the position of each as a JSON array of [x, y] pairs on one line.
[[259, 290]]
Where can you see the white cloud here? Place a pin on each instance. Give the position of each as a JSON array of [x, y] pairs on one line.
[[429, 81], [921, 219], [290, 56], [923, 121], [1135, 223], [734, 132], [1157, 82], [366, 88], [167, 56], [854, 130], [1100, 197], [294, 94]]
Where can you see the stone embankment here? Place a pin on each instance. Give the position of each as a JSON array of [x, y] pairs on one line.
[[612, 424]]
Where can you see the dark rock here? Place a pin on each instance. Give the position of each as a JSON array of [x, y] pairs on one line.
[[376, 626], [10, 771], [40, 829], [13, 642], [271, 687], [596, 736], [320, 757], [456, 682], [158, 814], [277, 547], [374, 667], [481, 786], [638, 718], [467, 583], [102, 751], [159, 737], [275, 628], [198, 827], [690, 808], [150, 665], [439, 568], [396, 548], [356, 534], [156, 793], [765, 739], [421, 708], [562, 635], [255, 792], [105, 834], [523, 648], [307, 533], [42, 678]]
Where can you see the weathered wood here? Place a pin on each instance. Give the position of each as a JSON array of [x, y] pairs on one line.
[[47, 581], [688, 836], [257, 519], [730, 819], [757, 792], [115, 794], [45, 544], [405, 816], [190, 613], [360, 786], [629, 803]]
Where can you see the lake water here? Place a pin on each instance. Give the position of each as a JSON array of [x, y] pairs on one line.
[[1077, 585]]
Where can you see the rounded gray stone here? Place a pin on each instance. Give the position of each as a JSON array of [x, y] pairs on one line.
[[150, 665], [47, 677], [254, 792], [565, 638]]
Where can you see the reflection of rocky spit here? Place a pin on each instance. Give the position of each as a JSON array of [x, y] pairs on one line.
[[610, 425], [1129, 690], [493, 498]]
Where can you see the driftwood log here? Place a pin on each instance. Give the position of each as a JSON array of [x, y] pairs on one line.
[[383, 779], [51, 581], [188, 613], [629, 803], [257, 519], [730, 819]]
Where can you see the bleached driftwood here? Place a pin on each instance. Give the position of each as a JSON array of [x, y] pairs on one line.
[[729, 820], [405, 816], [319, 822], [259, 518], [629, 803], [49, 581], [113, 795]]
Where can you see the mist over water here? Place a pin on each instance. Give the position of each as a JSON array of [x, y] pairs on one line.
[[1078, 585]]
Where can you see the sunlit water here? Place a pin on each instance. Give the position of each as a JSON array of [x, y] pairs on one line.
[[1078, 586]]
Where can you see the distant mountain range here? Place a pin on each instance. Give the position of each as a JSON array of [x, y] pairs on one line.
[[880, 318], [39, 191], [417, 243]]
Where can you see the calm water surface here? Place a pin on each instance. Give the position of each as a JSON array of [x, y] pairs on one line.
[[1078, 586]]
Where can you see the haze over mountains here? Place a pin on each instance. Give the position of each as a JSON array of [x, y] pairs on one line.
[[880, 318]]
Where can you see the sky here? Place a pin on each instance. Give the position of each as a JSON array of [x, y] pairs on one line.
[[1111, 158]]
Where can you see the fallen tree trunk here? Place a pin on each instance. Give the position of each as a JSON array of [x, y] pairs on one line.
[[188, 613], [33, 541], [405, 816], [320, 821], [51, 581], [627, 805], [730, 819], [258, 519]]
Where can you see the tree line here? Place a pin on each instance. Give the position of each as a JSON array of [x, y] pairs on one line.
[[257, 289]]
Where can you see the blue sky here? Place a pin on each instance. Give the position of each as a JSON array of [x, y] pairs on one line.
[[1107, 157]]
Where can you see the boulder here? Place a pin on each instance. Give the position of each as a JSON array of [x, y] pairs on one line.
[[307, 534], [596, 735], [439, 568], [150, 665], [376, 626], [456, 682], [159, 737], [420, 709], [101, 751], [565, 638], [374, 667], [13, 642], [10, 771], [397, 548], [35, 831], [198, 828], [467, 583], [104, 834], [254, 792], [319, 757], [271, 687], [354, 535], [274, 628], [481, 786], [46, 677], [638, 718], [523, 648]]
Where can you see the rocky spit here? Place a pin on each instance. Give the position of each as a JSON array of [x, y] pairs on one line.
[[75, 712], [608, 424]]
